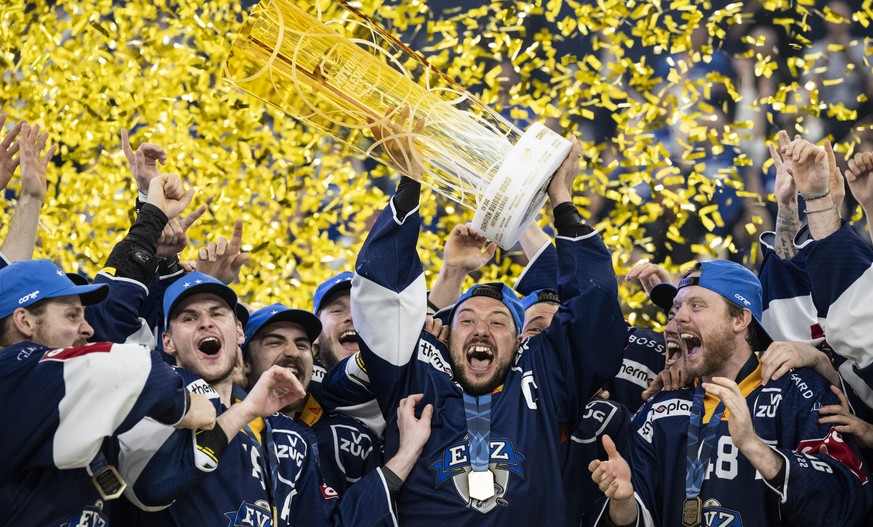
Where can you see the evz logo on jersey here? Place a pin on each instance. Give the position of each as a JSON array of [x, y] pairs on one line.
[[251, 514], [714, 515], [455, 465], [350, 444], [89, 517]]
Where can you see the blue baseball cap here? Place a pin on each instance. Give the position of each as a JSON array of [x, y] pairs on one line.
[[331, 286], [281, 313], [194, 283], [540, 295], [735, 283], [25, 283], [498, 291]]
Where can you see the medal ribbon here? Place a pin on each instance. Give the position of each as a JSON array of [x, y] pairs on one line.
[[699, 447], [478, 412]]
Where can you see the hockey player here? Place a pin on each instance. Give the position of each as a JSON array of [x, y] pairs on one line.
[[73, 396], [500, 408], [278, 335], [728, 451]]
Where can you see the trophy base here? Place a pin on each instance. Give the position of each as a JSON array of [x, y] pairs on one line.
[[518, 191]]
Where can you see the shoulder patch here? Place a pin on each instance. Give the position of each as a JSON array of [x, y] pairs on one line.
[[430, 354], [63, 354], [203, 388]]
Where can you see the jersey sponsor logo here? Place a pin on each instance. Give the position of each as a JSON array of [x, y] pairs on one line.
[[668, 408], [836, 448], [328, 492], [251, 514], [91, 516], [429, 354], [350, 444], [318, 374], [805, 391], [767, 403], [598, 415], [454, 465], [63, 354], [635, 372], [203, 388], [646, 342], [29, 296], [288, 444], [714, 515]]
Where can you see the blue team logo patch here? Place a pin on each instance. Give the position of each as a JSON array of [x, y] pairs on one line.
[[248, 515], [89, 517], [351, 448], [454, 465], [714, 515]]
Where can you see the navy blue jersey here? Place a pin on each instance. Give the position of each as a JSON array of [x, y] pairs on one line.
[[267, 477], [552, 377], [643, 360], [584, 444], [117, 318], [819, 489], [61, 406], [644, 355]]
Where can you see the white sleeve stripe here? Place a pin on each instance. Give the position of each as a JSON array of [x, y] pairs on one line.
[[387, 495], [583, 237], [847, 325], [397, 220], [388, 322], [783, 495], [101, 389]]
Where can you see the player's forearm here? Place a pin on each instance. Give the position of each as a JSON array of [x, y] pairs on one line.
[[762, 457], [623, 512], [822, 217], [235, 418], [787, 225], [21, 237], [402, 464], [533, 239], [447, 286]]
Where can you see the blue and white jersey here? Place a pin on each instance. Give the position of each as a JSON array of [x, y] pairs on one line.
[[841, 280], [552, 377], [267, 477], [789, 312], [819, 489], [61, 406], [117, 318]]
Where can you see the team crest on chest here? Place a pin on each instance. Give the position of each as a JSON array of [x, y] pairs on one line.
[[350, 443], [91, 516], [454, 465], [714, 515], [251, 514]]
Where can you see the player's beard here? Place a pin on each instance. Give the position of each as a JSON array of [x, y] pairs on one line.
[[719, 349], [302, 376], [482, 388], [325, 353]]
